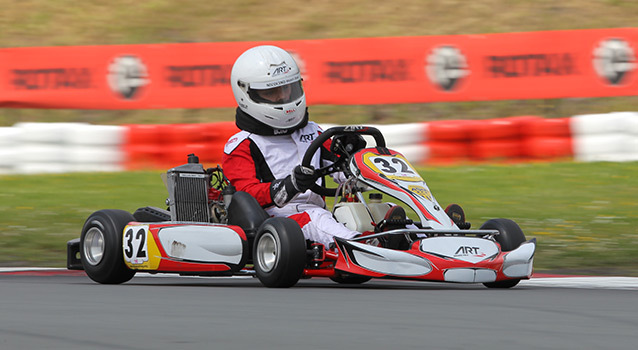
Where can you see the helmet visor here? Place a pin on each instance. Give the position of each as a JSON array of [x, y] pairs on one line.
[[277, 95]]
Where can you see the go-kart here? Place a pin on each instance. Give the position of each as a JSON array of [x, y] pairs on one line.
[[209, 229]]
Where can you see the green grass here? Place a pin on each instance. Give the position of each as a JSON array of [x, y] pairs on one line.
[[584, 215], [39, 213]]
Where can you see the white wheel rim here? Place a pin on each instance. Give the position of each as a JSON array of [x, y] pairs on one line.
[[267, 252], [94, 246]]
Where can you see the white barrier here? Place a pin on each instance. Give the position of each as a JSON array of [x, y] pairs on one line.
[[34, 148], [605, 137], [9, 141], [415, 153], [96, 135]]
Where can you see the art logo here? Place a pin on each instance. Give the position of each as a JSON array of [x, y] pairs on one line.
[[614, 60], [446, 67], [279, 70], [307, 138], [469, 251], [127, 76]]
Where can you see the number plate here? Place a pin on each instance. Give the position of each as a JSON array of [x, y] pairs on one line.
[[135, 244], [394, 167]]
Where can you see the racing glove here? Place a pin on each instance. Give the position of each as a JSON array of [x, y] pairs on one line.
[[284, 190]]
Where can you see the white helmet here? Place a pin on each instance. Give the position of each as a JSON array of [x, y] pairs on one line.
[[266, 82]]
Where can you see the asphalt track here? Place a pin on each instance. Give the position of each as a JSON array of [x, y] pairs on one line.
[[54, 309]]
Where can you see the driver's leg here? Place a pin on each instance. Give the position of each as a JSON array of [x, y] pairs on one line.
[[318, 224]]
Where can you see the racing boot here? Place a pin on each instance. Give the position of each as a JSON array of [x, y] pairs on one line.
[[394, 219], [456, 213]]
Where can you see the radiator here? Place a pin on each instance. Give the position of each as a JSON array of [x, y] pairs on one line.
[[188, 193]]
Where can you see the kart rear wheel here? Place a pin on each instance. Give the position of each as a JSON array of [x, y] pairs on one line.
[[279, 253], [101, 246], [347, 278], [511, 236]]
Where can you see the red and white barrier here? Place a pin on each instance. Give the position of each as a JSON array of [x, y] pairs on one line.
[[78, 147]]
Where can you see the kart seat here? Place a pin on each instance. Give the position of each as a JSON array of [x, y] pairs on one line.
[[244, 211]]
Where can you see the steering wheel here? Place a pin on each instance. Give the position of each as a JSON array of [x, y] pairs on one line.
[[334, 167]]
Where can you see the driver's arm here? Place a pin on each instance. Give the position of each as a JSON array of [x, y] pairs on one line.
[[239, 167]]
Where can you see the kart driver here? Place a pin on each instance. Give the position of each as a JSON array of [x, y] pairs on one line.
[[264, 158]]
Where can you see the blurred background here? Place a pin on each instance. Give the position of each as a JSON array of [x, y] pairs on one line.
[[68, 23], [583, 214]]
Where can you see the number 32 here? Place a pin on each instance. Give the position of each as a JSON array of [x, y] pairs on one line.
[[386, 167], [135, 244]]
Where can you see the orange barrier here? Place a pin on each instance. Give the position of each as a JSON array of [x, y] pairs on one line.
[[547, 127], [501, 139], [495, 129], [140, 145], [497, 149], [547, 147], [443, 150], [449, 130], [547, 139], [163, 146], [388, 70], [444, 142]]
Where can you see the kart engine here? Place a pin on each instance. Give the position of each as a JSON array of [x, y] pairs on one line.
[[188, 187]]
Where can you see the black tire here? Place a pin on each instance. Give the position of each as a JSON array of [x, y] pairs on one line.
[[101, 246], [279, 253], [347, 278], [511, 236]]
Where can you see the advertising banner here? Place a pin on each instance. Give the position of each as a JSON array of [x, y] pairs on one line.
[[361, 71]]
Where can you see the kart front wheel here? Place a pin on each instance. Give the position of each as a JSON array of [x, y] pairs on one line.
[[101, 246], [510, 237], [279, 253]]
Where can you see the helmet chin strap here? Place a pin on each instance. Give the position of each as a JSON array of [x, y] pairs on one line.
[[245, 122]]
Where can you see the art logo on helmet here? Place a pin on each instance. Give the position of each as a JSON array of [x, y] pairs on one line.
[[279, 70], [614, 60], [127, 76], [446, 67]]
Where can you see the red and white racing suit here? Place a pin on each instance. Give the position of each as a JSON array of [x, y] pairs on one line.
[[251, 162]]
